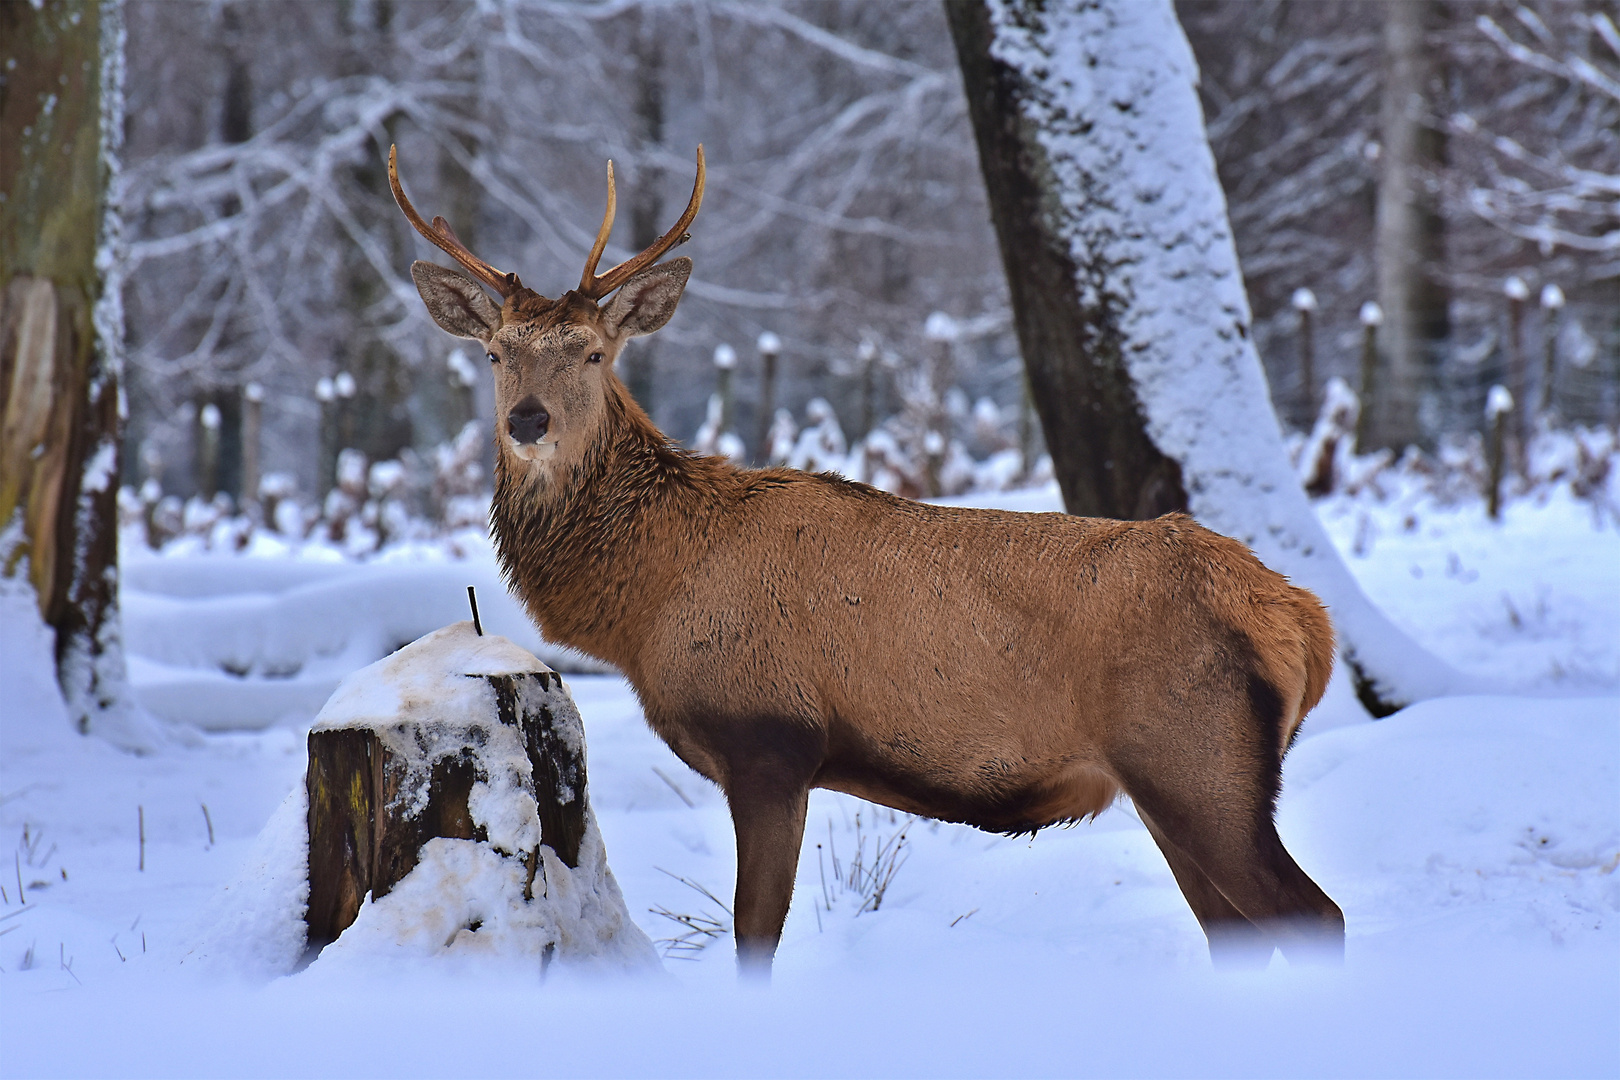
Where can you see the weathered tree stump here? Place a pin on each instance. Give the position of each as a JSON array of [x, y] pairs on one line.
[[457, 735]]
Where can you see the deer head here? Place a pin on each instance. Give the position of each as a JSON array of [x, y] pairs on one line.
[[553, 359]]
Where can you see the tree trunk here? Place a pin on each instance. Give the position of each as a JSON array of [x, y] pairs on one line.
[[1071, 338], [1410, 231], [61, 328], [639, 364], [376, 795], [1129, 301]]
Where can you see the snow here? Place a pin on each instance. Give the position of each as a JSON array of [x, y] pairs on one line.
[[1532, 600], [224, 641], [1497, 402], [1473, 843]]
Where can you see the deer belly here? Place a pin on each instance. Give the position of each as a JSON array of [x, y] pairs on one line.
[[1001, 785]]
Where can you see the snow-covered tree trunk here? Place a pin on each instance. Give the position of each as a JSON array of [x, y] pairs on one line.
[[61, 331], [1097, 164]]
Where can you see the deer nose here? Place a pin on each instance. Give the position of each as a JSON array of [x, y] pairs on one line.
[[528, 420]]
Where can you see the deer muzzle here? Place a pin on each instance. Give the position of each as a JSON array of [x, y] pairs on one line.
[[528, 421]]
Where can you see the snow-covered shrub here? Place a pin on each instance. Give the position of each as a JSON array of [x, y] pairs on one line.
[[1327, 452], [781, 438], [821, 445], [711, 440]]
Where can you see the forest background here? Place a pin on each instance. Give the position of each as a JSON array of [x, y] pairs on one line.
[[845, 244]]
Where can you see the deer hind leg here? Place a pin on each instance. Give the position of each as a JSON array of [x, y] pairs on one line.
[[1211, 812], [1211, 842], [1234, 941]]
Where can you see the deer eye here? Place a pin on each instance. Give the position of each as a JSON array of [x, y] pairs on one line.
[[493, 358], [594, 358]]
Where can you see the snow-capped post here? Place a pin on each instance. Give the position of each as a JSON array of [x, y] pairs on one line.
[[1552, 302], [770, 347], [345, 389], [866, 361], [326, 465], [459, 735], [944, 332], [1518, 372], [1498, 407], [1129, 304], [206, 462], [1304, 302], [1371, 317], [725, 369], [252, 427]]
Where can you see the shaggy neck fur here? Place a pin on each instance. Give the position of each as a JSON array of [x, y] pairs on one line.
[[595, 553]]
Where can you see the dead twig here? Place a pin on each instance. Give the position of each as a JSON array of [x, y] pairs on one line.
[[673, 786]]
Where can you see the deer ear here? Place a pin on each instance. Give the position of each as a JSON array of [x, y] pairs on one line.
[[647, 300], [457, 304]]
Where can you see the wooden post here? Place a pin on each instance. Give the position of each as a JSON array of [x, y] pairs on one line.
[[380, 787], [1518, 371], [1552, 302], [1304, 302], [867, 361], [725, 368], [1498, 408], [1372, 317], [252, 422], [326, 455], [770, 347], [207, 462]]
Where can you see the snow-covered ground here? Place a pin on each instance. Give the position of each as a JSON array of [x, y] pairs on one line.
[[1472, 842]]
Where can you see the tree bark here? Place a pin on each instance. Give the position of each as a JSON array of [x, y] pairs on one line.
[[61, 326], [1071, 338], [1410, 231], [639, 363], [1129, 300], [371, 808]]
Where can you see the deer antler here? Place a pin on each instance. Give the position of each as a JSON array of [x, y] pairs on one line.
[[442, 237], [595, 287]]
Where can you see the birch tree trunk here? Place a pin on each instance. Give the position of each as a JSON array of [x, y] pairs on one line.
[[61, 328], [1129, 301]]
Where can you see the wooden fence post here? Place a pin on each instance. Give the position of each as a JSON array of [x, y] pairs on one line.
[[770, 347], [1498, 409]]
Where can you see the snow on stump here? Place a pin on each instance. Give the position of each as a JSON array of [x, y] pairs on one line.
[[460, 758]]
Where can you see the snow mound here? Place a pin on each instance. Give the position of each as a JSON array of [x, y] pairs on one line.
[[1481, 819], [470, 903]]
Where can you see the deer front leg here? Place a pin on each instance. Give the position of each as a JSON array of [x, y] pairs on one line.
[[768, 767], [769, 821]]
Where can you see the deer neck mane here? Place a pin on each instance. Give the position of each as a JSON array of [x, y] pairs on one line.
[[594, 553]]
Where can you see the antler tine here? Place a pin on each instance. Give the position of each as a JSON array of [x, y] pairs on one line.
[[440, 235], [598, 287], [602, 234]]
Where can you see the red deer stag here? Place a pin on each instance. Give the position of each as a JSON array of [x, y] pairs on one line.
[[786, 631]]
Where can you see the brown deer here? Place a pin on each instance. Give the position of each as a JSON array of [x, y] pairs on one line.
[[786, 631]]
